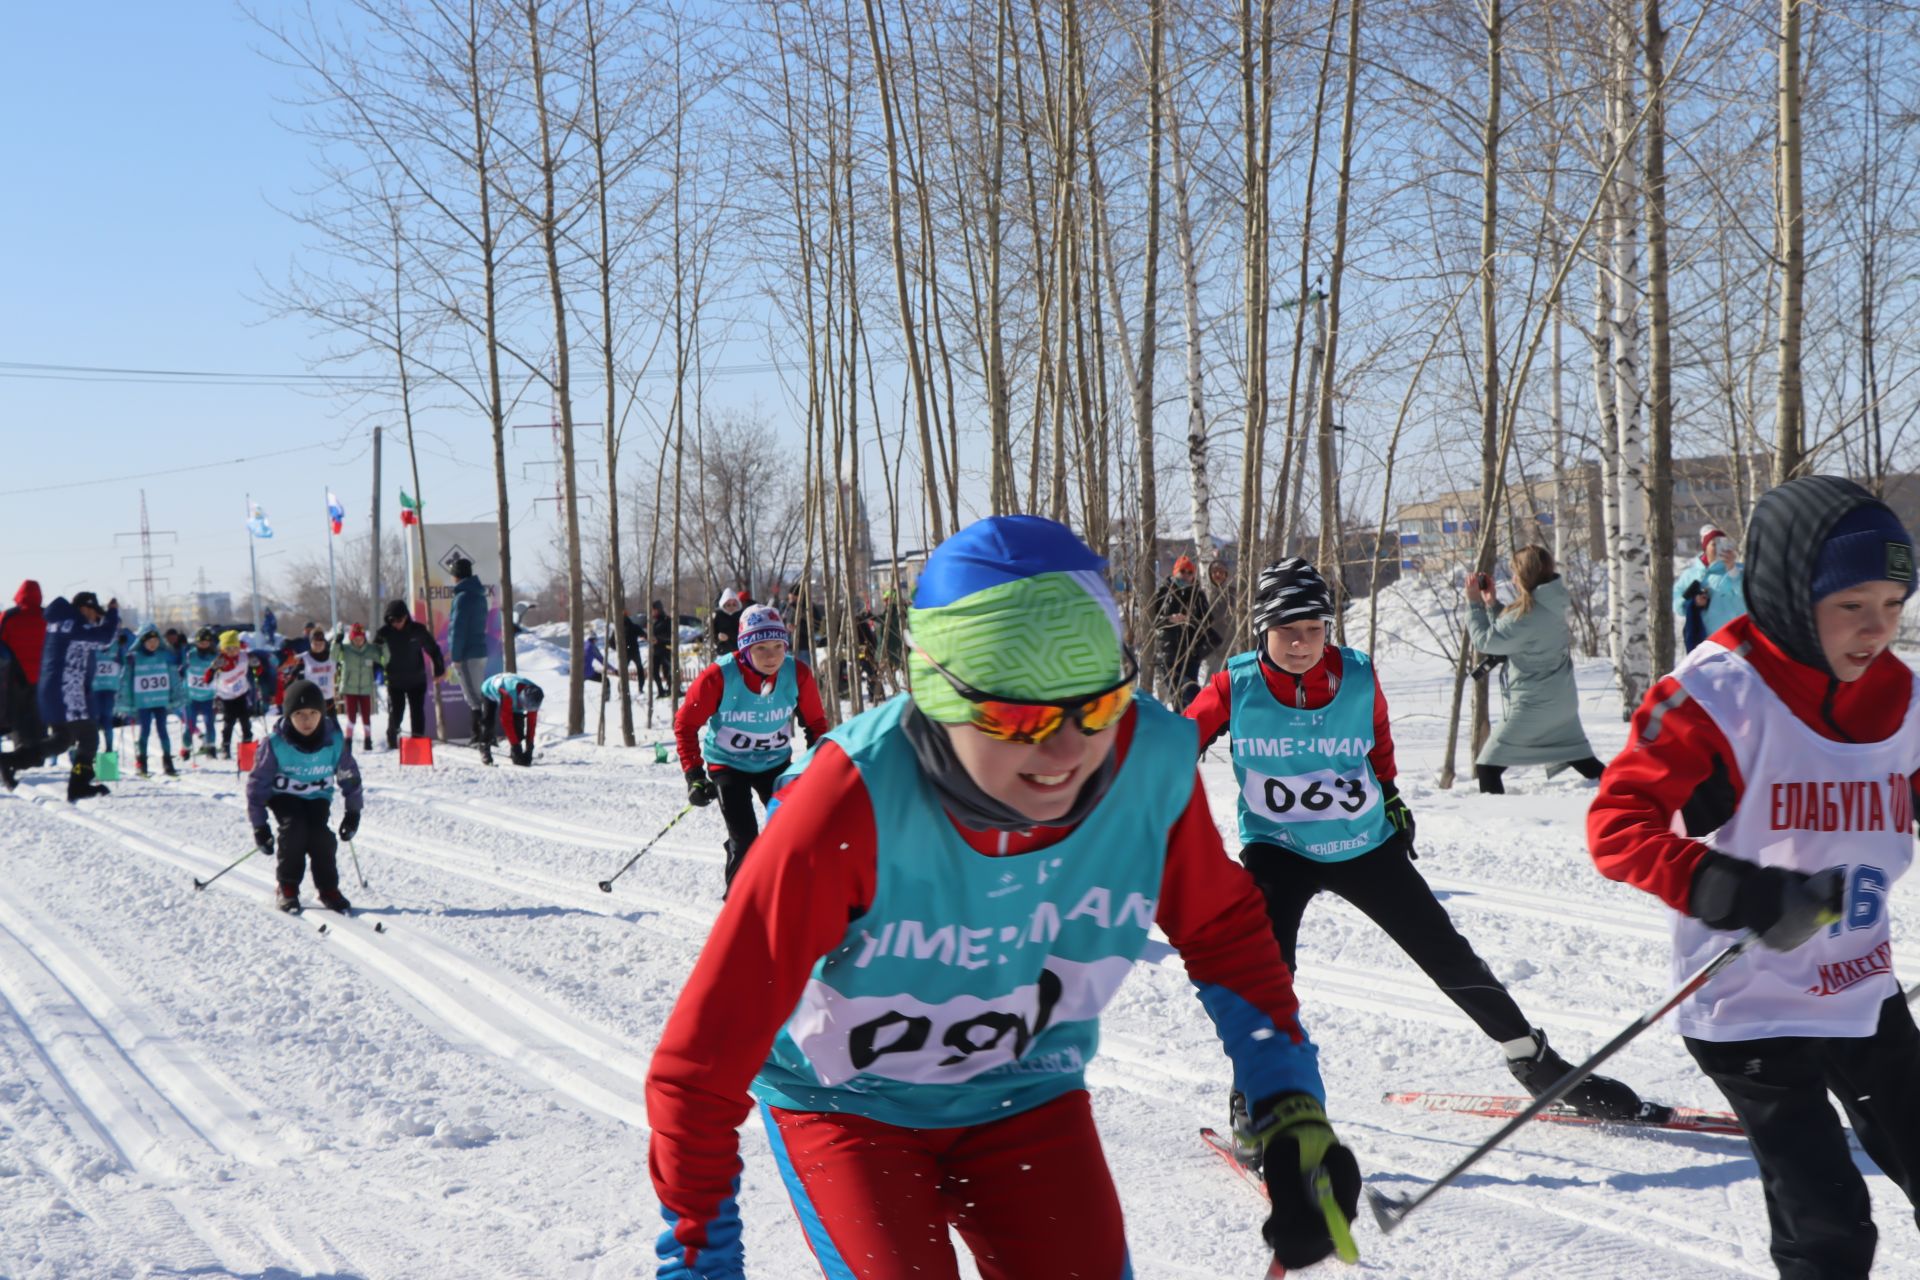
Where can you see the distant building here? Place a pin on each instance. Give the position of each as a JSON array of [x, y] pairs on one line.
[[190, 609]]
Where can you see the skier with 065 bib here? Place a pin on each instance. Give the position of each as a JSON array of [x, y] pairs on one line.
[[1768, 784], [304, 760], [735, 728], [909, 973], [1312, 750]]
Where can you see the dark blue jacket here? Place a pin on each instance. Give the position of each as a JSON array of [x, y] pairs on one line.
[[467, 622], [66, 664]]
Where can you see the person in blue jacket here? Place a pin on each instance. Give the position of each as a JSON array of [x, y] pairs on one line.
[[294, 777], [197, 708], [1712, 590], [150, 684], [103, 692], [77, 630], [467, 649]]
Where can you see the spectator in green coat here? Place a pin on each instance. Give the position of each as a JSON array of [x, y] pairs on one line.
[[357, 657], [1542, 723]]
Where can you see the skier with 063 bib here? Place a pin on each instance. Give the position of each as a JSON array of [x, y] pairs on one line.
[[745, 702], [1312, 750], [1786, 746], [909, 973], [305, 758]]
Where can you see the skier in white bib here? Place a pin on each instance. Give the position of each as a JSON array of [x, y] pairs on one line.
[[1786, 745]]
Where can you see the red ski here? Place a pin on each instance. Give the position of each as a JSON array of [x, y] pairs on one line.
[[1223, 1147], [1501, 1107]]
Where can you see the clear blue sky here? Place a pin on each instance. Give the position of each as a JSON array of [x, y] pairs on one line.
[[144, 158]]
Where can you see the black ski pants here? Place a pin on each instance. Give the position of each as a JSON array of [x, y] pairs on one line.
[[1816, 1199], [1488, 775], [415, 702], [304, 835], [234, 711], [661, 669], [1390, 891], [737, 789]]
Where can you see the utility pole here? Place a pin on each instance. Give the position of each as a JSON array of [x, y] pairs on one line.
[[146, 557], [373, 557]]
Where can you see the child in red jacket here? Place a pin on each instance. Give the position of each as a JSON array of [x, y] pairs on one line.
[[1767, 785]]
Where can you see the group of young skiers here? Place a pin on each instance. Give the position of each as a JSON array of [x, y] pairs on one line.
[[907, 972]]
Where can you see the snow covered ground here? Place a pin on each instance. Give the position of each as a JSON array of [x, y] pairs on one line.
[[192, 1084]]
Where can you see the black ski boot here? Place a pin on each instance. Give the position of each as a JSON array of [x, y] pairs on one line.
[[7, 779], [166, 766], [366, 741], [80, 784], [286, 898], [1597, 1097], [334, 900]]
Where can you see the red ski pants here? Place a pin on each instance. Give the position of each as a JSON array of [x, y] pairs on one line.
[[1030, 1195]]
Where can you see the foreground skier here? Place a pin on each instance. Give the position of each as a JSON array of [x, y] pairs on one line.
[[1786, 745], [1319, 810], [909, 972], [293, 778]]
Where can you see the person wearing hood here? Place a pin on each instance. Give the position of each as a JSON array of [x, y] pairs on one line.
[[23, 632], [1542, 723], [358, 658], [467, 650], [199, 699], [734, 730], [513, 701], [150, 686], [1180, 628], [294, 778], [76, 632], [1711, 591], [915, 1074], [726, 623], [1767, 785], [1320, 810], [410, 647]]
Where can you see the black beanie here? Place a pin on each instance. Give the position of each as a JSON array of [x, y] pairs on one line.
[[303, 695], [463, 568], [396, 610], [1290, 590]]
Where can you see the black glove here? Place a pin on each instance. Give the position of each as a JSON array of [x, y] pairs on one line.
[[700, 788], [1786, 907], [1313, 1183], [350, 824], [1399, 815], [263, 838]]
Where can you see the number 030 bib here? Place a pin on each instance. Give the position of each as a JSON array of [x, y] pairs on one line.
[[1305, 781]]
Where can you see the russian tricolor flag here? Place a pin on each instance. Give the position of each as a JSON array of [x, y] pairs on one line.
[[335, 512]]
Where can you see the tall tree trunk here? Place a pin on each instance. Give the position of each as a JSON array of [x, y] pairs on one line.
[[1788, 425], [1332, 544], [1199, 478], [1631, 548], [1489, 330], [1147, 547], [562, 383], [1256, 146], [1659, 351]]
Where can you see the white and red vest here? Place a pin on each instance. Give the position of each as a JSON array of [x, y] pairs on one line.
[[1808, 803]]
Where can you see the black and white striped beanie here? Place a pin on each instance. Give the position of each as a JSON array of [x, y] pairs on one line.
[[1290, 590]]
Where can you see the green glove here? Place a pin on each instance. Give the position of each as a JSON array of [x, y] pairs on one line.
[[1313, 1183], [1399, 814]]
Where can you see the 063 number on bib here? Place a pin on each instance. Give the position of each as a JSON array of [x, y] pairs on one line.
[[1325, 795]]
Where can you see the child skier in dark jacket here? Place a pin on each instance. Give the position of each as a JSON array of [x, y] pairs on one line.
[[1768, 785], [1319, 810], [294, 778]]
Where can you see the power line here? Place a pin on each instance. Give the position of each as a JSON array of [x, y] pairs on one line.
[[173, 471], [29, 369]]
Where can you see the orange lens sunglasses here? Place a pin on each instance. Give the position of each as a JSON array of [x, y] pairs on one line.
[[1029, 721]]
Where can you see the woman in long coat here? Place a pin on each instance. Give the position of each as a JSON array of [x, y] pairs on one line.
[[1542, 724]]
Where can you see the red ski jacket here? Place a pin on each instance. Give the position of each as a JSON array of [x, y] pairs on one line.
[[1212, 707], [23, 629], [1678, 762], [813, 870], [703, 699]]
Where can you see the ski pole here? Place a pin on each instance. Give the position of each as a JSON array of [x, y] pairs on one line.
[[606, 886], [198, 883], [356, 866], [1391, 1210]]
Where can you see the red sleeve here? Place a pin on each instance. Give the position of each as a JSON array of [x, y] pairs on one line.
[[812, 870], [702, 700], [1212, 708], [1213, 914], [1672, 746], [813, 716], [1381, 756]]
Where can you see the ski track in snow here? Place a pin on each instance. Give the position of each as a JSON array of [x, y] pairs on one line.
[[463, 1094]]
